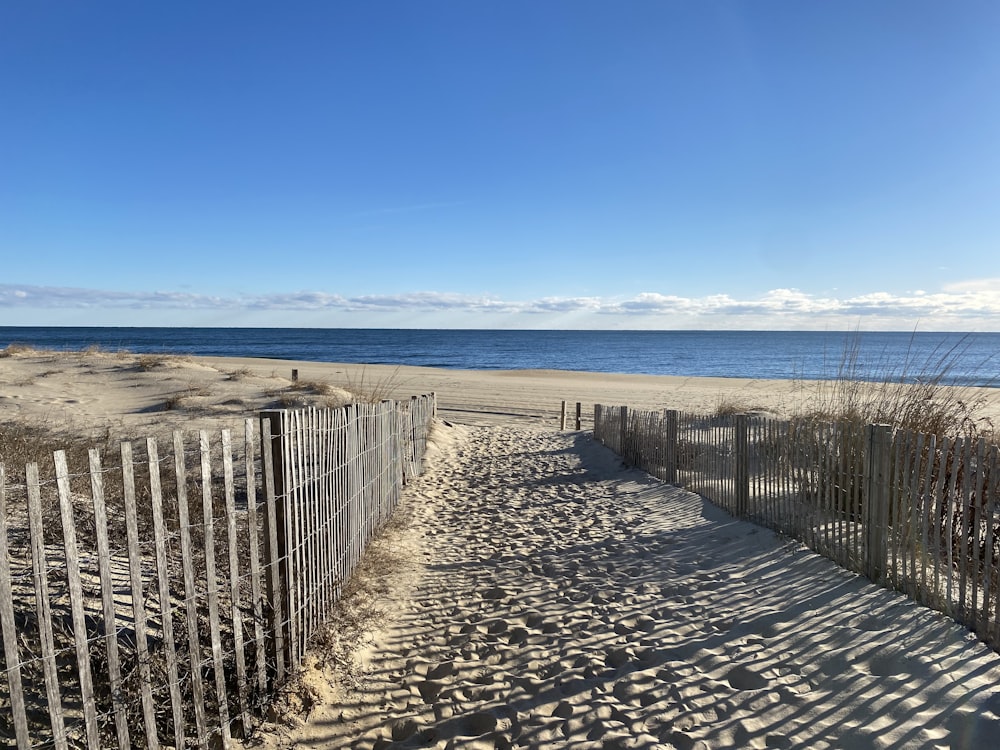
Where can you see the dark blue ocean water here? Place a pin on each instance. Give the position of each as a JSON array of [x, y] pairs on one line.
[[972, 359]]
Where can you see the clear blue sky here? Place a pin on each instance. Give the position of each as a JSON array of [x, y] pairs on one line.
[[544, 164]]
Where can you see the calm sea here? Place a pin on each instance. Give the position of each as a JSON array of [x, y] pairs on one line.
[[968, 359]]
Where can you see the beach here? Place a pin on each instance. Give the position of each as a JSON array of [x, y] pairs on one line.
[[534, 592], [97, 390]]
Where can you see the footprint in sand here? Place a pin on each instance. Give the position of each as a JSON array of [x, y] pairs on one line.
[[442, 670], [430, 690], [869, 624], [643, 623], [742, 678], [889, 664]]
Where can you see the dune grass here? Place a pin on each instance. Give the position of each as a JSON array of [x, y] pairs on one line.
[[914, 395], [372, 390]]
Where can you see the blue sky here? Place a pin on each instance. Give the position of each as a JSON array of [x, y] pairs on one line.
[[557, 164]]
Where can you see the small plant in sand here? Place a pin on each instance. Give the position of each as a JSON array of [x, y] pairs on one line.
[[316, 387], [730, 406], [183, 399], [18, 350], [147, 362], [304, 393], [372, 390], [241, 373]]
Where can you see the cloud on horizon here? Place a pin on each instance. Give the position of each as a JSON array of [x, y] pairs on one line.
[[973, 303]]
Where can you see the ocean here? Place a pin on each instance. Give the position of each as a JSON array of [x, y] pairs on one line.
[[964, 359]]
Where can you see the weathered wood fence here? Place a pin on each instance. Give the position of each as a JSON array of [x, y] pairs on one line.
[[160, 600], [910, 511]]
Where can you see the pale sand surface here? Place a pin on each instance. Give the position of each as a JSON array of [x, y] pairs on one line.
[[544, 596], [125, 390]]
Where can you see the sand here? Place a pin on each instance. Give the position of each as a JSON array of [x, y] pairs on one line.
[[142, 392], [538, 594]]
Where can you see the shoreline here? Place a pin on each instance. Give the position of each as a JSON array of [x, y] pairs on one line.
[[968, 359]]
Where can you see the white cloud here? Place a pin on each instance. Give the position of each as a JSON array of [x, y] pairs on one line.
[[970, 305], [974, 285]]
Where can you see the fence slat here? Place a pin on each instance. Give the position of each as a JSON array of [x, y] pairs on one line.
[[256, 595], [963, 511], [915, 494], [978, 508], [163, 592], [274, 533], [229, 493], [76, 599], [108, 599], [212, 588], [938, 520], [190, 592], [7, 626], [927, 580], [951, 501], [993, 493], [39, 566], [138, 597], [293, 527]]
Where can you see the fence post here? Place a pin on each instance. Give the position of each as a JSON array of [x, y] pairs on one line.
[[417, 436], [622, 441], [670, 445], [562, 417], [876, 484], [275, 538], [579, 416], [742, 477]]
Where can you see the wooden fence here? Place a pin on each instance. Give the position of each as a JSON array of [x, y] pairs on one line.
[[159, 601], [910, 511]]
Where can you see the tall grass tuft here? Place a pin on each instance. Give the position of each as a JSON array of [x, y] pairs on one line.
[[371, 391], [911, 394]]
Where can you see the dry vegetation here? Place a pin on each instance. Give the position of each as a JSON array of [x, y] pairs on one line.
[[18, 350], [372, 390], [908, 395]]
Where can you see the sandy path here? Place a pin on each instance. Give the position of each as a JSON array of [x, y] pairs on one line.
[[567, 602]]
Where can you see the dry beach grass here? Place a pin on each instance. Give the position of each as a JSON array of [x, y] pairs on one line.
[[535, 593]]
